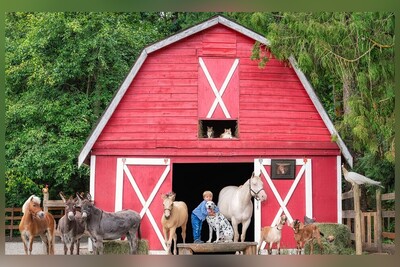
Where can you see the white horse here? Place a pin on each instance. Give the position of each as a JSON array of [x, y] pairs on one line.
[[235, 203]]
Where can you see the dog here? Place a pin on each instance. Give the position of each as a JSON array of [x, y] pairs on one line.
[[218, 223]]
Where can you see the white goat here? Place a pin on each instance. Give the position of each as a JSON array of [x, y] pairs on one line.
[[271, 235]]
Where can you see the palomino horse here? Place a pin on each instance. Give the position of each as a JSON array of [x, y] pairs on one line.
[[70, 225], [36, 222], [102, 225], [235, 203], [175, 215]]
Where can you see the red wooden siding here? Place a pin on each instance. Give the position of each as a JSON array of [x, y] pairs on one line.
[[325, 189], [105, 167], [160, 112]]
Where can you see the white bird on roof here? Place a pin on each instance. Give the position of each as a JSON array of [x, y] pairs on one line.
[[355, 178]]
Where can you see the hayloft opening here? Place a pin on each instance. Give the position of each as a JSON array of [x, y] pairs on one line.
[[189, 181], [218, 127]]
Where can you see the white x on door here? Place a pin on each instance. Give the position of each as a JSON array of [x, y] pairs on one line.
[[218, 87], [127, 166], [283, 198]]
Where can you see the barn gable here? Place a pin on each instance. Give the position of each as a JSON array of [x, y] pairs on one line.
[[204, 74]]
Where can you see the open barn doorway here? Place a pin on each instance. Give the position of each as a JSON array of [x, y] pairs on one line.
[[190, 180]]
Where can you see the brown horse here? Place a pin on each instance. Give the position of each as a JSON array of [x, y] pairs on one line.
[[175, 215], [36, 222]]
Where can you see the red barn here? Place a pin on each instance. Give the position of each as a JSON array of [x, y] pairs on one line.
[[152, 137]]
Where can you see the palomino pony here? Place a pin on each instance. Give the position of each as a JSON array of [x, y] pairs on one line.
[[235, 203], [175, 215], [36, 222], [102, 225], [70, 225]]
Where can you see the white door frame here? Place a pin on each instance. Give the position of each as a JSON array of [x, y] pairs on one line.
[[305, 169]]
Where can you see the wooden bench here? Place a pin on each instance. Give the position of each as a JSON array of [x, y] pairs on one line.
[[248, 248]]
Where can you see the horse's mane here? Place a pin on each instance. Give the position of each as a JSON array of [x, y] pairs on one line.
[[34, 198]]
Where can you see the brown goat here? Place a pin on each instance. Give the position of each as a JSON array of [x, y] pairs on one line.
[[272, 234], [306, 234]]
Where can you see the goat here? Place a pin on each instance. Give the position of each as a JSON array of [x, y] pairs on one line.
[[271, 235], [306, 234]]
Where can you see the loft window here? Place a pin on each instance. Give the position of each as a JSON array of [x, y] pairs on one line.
[[218, 129]]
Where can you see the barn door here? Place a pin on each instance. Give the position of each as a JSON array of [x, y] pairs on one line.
[[138, 181], [292, 196]]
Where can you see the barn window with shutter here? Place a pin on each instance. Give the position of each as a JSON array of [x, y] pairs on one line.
[[218, 96]]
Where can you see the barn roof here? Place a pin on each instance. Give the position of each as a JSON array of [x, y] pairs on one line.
[[83, 156]]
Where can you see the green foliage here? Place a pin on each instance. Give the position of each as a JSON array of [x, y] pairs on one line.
[[19, 188], [62, 70], [349, 59]]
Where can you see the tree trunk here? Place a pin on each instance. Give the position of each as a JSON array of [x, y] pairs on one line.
[[348, 91]]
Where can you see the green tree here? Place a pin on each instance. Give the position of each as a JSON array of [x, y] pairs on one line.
[[62, 70], [349, 59]]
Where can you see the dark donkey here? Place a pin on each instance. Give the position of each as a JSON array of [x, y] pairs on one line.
[[70, 225], [102, 225]]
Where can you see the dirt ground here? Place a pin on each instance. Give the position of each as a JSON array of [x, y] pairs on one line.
[[15, 247]]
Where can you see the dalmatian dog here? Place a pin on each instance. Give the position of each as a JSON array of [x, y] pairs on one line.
[[218, 223]]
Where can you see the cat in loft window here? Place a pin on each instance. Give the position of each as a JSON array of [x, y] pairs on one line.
[[210, 132], [227, 133]]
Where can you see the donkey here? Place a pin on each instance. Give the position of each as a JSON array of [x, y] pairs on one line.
[[70, 225], [102, 225]]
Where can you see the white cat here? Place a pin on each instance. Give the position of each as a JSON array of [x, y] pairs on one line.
[[227, 133], [210, 132]]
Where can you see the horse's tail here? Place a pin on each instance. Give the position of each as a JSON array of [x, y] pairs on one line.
[[53, 239], [51, 233]]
